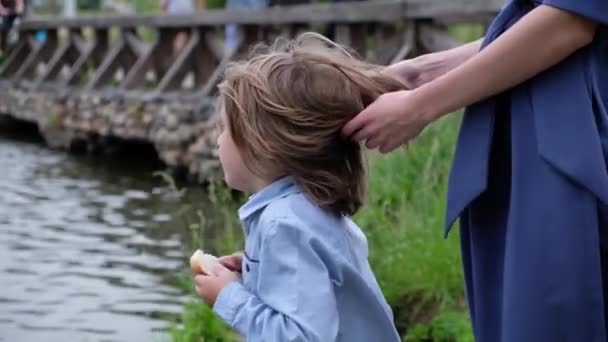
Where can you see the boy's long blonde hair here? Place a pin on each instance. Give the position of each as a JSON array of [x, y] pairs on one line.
[[285, 107]]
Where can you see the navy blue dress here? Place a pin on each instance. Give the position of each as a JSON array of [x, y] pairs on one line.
[[529, 184]]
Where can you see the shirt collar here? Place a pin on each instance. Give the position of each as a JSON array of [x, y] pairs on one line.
[[280, 188]]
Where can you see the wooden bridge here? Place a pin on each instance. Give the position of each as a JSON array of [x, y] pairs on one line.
[[97, 77]]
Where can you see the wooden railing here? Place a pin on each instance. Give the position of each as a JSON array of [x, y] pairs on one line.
[[89, 80], [134, 55]]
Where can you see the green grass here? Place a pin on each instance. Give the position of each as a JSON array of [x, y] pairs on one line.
[[404, 217], [418, 270]]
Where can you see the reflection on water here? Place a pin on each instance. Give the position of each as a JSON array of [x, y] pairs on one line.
[[88, 251]]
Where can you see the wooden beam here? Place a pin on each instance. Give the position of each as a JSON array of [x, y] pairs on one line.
[[93, 52], [80, 43], [214, 44], [41, 52], [18, 54], [179, 68], [353, 12], [27, 63], [164, 54], [388, 40], [137, 74], [102, 44], [434, 38], [408, 43], [140, 48], [67, 54], [78, 66], [250, 36], [109, 65], [55, 64], [207, 59], [352, 36]]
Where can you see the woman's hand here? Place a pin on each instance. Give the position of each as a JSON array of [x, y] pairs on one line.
[[390, 121], [421, 70]]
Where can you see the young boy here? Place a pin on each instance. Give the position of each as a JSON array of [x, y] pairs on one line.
[[305, 271]]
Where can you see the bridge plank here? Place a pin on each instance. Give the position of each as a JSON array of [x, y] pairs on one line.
[[434, 38], [41, 52], [355, 12], [79, 66], [16, 57], [109, 65], [174, 76], [136, 76]]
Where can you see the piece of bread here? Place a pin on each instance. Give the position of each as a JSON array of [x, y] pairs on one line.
[[203, 263]]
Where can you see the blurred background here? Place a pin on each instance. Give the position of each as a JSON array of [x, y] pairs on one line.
[[109, 177]]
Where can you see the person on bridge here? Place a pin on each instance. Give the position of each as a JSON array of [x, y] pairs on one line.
[[529, 181], [181, 7], [10, 10]]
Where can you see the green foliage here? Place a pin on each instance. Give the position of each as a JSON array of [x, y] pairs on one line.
[[200, 324], [88, 5], [446, 327]]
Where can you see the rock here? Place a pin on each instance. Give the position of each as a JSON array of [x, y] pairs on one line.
[[183, 132]]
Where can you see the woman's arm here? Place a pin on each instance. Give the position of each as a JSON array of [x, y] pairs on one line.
[[423, 69], [541, 39]]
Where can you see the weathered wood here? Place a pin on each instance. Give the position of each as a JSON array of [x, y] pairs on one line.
[[250, 36], [89, 52], [68, 53], [353, 36], [179, 68], [434, 38], [140, 48], [356, 12], [214, 44], [55, 64], [102, 44], [40, 53], [80, 43], [18, 54], [136, 76], [207, 58], [164, 54], [408, 44], [127, 58], [29, 60], [109, 66], [79, 66], [401, 27], [388, 41], [452, 10]]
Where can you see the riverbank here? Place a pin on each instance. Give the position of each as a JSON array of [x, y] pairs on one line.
[[418, 271]]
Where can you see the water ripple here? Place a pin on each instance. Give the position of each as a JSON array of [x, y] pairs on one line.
[[87, 252]]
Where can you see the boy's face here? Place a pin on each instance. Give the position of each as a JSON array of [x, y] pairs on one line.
[[236, 174]]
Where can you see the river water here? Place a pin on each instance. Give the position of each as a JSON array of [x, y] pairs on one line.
[[90, 249]]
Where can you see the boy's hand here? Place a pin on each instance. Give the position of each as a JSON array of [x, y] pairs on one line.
[[208, 287], [233, 262]]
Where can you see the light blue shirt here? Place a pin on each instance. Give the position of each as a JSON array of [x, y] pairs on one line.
[[305, 275]]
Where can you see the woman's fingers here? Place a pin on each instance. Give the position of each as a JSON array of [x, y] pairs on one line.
[[354, 128]]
